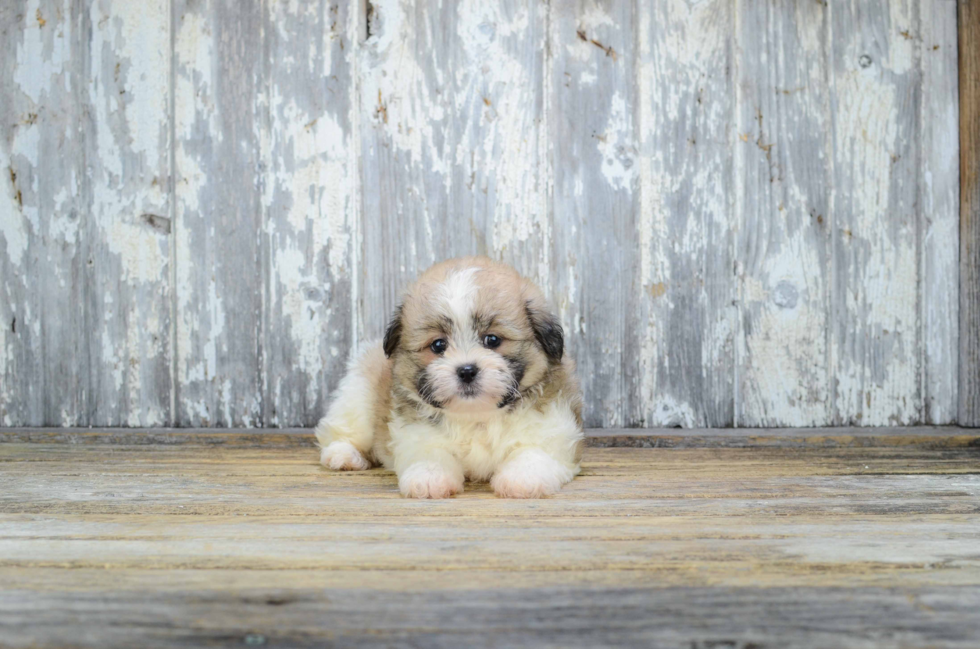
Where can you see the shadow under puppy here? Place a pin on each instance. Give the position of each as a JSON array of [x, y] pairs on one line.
[[469, 382]]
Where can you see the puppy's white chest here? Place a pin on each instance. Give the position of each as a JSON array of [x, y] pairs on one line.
[[478, 461], [480, 447]]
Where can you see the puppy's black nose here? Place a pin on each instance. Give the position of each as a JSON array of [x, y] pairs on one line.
[[467, 373]]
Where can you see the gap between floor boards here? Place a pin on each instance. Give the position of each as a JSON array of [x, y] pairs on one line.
[[926, 436]]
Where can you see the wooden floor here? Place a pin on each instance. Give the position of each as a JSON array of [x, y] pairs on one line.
[[850, 539]]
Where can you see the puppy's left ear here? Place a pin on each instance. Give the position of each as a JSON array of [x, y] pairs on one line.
[[547, 331], [393, 334]]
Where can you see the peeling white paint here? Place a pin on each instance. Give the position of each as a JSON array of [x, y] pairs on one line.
[[15, 235], [129, 96], [41, 55], [501, 95], [667, 412], [469, 136], [939, 165], [193, 102], [783, 217], [400, 99], [685, 211], [616, 145], [876, 369]]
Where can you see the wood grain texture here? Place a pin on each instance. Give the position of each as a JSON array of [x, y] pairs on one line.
[[783, 213], [594, 149], [937, 205], [687, 102], [162, 545], [680, 617], [218, 66], [42, 258], [932, 437], [309, 206], [126, 225], [744, 211], [876, 294], [85, 214], [451, 112], [969, 266]]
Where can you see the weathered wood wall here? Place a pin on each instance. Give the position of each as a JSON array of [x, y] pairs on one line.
[[969, 71], [745, 211]]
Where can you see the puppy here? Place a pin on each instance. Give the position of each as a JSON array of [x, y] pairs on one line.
[[470, 382]]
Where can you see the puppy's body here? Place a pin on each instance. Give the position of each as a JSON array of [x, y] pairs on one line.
[[470, 382]]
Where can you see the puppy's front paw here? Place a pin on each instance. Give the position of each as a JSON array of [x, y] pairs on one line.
[[342, 456], [532, 474], [429, 480]]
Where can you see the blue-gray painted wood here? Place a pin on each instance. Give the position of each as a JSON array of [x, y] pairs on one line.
[[309, 206], [688, 368], [784, 126], [744, 211], [595, 200], [84, 213], [219, 121]]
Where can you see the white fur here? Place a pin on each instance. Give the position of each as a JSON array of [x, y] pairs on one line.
[[492, 383], [481, 446], [530, 474], [342, 456], [350, 417], [429, 479], [528, 452], [458, 293]]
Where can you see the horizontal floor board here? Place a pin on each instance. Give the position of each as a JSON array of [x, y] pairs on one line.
[[932, 436], [543, 617], [192, 543]]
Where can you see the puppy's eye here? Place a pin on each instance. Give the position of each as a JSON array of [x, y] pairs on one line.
[[439, 346], [491, 341]]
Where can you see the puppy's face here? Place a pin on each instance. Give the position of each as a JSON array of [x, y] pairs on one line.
[[470, 337]]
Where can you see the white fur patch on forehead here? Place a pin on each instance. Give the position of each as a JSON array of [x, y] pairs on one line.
[[458, 293]]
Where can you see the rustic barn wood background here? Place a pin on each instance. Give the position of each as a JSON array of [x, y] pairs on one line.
[[745, 211]]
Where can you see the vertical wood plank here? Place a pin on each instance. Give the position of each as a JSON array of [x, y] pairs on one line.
[[937, 179], [969, 300], [451, 107], [687, 260], [42, 321], [500, 178], [86, 217], [126, 229], [875, 99], [309, 199], [595, 198], [406, 116], [782, 190], [219, 267]]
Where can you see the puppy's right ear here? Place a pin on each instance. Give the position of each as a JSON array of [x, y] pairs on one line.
[[393, 334]]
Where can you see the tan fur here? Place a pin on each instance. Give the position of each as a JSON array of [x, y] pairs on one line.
[[519, 422]]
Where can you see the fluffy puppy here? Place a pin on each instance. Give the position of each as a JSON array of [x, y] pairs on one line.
[[470, 382]]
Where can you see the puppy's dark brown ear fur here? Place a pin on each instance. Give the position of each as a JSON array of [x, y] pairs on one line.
[[547, 331], [393, 334]]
